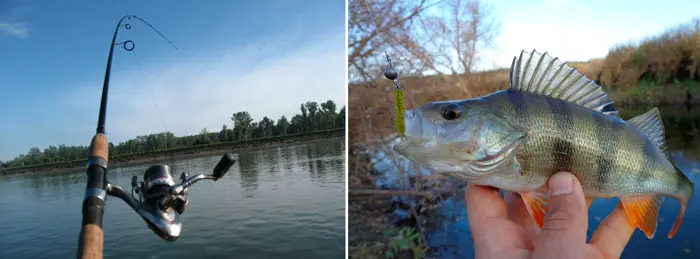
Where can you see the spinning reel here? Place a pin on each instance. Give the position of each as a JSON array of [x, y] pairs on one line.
[[159, 200]]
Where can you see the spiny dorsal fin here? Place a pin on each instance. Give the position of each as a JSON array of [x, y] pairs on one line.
[[650, 123], [542, 74]]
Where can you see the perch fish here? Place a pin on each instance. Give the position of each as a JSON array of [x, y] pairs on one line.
[[551, 118]]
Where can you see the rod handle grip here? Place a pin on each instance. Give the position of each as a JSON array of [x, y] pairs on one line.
[[91, 242], [99, 147]]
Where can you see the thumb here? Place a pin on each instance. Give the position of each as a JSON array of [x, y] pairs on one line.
[[566, 221]]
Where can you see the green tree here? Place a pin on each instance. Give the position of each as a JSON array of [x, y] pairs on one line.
[[313, 117], [241, 124], [266, 125], [223, 134], [282, 125], [340, 120], [312, 107], [305, 119], [328, 115]]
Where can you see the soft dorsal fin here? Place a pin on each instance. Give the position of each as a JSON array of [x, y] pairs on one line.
[[650, 124], [542, 74]]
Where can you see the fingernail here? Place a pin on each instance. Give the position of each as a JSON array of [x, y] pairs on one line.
[[561, 184]]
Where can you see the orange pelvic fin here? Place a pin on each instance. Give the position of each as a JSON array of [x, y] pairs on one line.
[[536, 204], [589, 201], [643, 212]]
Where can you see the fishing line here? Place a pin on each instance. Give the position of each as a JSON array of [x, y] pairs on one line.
[[128, 26], [150, 91], [392, 74], [129, 46]]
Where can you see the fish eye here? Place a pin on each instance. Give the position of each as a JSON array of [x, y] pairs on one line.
[[451, 112]]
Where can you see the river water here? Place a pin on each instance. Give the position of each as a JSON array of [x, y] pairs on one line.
[[277, 202], [452, 239]]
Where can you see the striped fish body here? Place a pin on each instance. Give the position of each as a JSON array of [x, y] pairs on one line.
[[551, 119], [611, 157]]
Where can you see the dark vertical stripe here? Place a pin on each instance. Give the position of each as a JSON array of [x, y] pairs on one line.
[[649, 158], [562, 148], [519, 101], [516, 99], [607, 138], [562, 155]]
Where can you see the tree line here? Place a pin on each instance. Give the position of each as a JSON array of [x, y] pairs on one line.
[[313, 117]]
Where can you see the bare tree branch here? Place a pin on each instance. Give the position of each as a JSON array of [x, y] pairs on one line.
[[442, 42]]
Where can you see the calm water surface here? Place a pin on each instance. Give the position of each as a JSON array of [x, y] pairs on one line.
[[452, 238], [278, 202]]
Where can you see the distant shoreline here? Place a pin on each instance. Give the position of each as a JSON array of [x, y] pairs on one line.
[[179, 153]]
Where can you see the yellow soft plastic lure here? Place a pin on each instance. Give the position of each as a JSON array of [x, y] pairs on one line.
[[399, 108], [391, 74]]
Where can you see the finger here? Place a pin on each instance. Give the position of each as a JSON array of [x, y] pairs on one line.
[[484, 207], [566, 221], [517, 212], [613, 233]]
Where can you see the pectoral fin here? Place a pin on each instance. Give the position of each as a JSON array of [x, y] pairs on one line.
[[536, 204], [643, 212]]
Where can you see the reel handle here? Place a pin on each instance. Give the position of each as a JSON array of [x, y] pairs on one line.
[[222, 167]]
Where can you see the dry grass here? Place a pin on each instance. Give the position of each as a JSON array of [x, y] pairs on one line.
[[674, 54]]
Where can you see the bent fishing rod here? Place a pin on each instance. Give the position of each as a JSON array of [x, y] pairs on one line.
[[159, 201]]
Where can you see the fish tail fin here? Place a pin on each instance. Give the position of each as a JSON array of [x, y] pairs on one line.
[[683, 194]]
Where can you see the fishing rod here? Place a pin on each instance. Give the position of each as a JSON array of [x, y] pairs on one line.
[[392, 74], [159, 201]]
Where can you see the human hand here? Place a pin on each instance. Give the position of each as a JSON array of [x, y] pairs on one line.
[[503, 229]]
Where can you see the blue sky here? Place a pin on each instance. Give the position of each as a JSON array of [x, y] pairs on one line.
[[265, 57], [578, 30]]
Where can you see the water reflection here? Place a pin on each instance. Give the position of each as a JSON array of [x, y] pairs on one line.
[[289, 216], [248, 172], [681, 124]]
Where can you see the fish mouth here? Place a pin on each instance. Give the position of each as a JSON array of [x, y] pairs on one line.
[[420, 151], [413, 121], [405, 145], [415, 149]]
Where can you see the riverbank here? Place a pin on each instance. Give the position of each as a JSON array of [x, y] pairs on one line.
[[391, 215], [373, 231], [178, 153]]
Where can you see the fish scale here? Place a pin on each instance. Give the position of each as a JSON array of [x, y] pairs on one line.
[[552, 118], [574, 139]]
